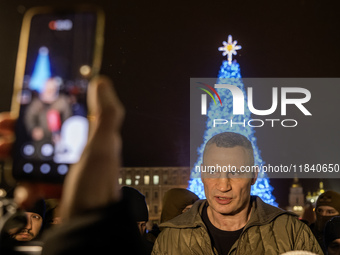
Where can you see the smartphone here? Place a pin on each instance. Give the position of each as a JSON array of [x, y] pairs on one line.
[[59, 51]]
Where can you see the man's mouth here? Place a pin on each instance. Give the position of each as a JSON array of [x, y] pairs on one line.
[[25, 234], [223, 200]]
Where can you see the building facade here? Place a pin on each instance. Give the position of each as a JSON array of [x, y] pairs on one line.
[[312, 197], [296, 198], [303, 205], [153, 182]]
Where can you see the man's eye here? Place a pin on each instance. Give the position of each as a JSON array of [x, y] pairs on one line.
[[235, 174], [211, 174], [36, 217]]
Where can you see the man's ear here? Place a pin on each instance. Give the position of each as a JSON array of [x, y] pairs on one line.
[[255, 174]]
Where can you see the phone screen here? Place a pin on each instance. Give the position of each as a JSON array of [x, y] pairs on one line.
[[52, 125]]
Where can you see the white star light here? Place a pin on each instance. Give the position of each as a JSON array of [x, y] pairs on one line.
[[229, 48]]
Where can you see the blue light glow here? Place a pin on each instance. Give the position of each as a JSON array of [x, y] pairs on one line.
[[41, 72]]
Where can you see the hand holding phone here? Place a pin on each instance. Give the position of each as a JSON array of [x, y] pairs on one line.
[[59, 51], [7, 123], [102, 154]]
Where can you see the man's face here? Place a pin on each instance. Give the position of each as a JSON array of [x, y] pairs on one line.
[[227, 194], [334, 247], [323, 214], [31, 230]]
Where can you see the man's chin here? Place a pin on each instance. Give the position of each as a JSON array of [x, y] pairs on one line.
[[228, 209], [223, 209]]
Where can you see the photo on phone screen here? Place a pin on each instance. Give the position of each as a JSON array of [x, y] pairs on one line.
[[52, 125]]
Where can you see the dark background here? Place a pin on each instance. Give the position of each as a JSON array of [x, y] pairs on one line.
[[152, 48]]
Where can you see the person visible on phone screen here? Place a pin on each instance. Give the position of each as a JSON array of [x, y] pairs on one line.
[[46, 113]]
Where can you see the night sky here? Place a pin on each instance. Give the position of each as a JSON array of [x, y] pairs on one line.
[[153, 48]]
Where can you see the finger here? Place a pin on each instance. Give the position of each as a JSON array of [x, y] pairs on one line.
[[7, 123], [102, 153], [5, 148], [104, 104], [110, 106]]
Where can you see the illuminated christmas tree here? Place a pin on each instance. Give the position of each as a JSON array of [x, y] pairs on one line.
[[42, 70], [230, 74]]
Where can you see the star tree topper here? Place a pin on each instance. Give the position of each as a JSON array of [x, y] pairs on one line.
[[229, 48]]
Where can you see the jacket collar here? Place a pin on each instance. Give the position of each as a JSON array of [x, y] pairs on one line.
[[261, 213], [189, 219]]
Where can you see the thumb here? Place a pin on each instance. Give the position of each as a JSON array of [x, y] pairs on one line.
[[104, 105]]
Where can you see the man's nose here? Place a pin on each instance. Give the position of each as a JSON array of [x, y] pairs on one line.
[[322, 212], [223, 184], [29, 223]]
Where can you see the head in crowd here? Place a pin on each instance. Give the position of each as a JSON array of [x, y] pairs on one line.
[[228, 192], [327, 206], [299, 252], [137, 206], [308, 215], [175, 202], [35, 218], [332, 236]]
